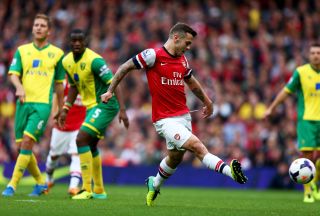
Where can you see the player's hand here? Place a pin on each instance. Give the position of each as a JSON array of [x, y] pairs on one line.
[[21, 94], [106, 97], [268, 112], [124, 118], [207, 110], [62, 118]]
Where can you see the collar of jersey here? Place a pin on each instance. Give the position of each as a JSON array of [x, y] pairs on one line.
[[76, 60], [42, 48], [318, 71]]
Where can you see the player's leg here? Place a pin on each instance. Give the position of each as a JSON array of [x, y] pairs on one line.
[[51, 164], [315, 181], [307, 136], [75, 170], [75, 175], [98, 189], [83, 140], [167, 167], [96, 122], [213, 162], [308, 196]]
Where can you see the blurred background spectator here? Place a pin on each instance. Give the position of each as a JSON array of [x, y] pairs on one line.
[[244, 54]]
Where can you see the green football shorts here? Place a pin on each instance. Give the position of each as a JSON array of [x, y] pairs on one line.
[[99, 118], [308, 135], [31, 119]]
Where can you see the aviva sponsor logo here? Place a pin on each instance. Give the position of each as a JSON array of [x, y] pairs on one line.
[[37, 72]]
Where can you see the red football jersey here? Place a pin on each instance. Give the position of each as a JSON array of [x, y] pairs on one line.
[[76, 114], [165, 74]]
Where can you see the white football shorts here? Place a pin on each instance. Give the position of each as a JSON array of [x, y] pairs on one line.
[[63, 142], [176, 130]]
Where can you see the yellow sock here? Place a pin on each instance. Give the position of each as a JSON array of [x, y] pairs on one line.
[[97, 173], [316, 178], [307, 188], [34, 170], [86, 167], [21, 165]]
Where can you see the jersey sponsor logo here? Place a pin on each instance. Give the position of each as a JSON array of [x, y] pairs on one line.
[[177, 80], [36, 63], [162, 64], [14, 62], [37, 72], [51, 55], [82, 65]]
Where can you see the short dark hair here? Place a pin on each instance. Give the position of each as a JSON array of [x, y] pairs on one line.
[[315, 45], [182, 28], [78, 31], [44, 17]]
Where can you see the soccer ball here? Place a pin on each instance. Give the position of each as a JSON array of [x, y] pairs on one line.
[[302, 171]]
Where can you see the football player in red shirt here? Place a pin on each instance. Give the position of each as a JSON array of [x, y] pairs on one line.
[[167, 71]]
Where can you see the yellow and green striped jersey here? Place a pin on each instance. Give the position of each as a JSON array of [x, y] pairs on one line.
[[306, 82], [38, 69], [90, 74]]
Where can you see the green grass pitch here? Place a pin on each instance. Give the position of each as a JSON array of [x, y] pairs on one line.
[[130, 200]]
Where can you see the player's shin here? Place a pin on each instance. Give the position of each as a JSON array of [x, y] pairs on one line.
[[34, 170], [21, 165], [75, 172], [163, 174], [86, 167], [215, 163], [97, 173]]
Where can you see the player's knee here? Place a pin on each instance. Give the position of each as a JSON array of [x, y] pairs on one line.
[[27, 143]]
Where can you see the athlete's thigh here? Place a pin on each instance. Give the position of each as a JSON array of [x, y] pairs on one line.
[[60, 140], [176, 131], [37, 120], [21, 119], [98, 119], [307, 135], [72, 142]]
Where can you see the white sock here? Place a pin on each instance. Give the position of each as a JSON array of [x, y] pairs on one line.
[[75, 171], [50, 167], [215, 163], [163, 174]]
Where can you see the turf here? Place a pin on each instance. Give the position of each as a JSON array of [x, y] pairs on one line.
[[130, 200]]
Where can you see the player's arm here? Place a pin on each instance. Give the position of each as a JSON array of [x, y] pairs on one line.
[[198, 91], [292, 85], [122, 114], [58, 85], [15, 71], [122, 71], [144, 59]]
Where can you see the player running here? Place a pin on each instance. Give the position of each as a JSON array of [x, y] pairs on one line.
[[167, 70]]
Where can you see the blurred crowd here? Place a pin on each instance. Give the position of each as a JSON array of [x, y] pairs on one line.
[[243, 55]]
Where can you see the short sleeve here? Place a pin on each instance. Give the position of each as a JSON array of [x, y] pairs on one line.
[[100, 68], [16, 64], [294, 83], [145, 59]]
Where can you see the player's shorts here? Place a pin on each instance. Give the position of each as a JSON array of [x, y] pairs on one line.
[[176, 130], [63, 142], [308, 135], [99, 118], [31, 119]]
